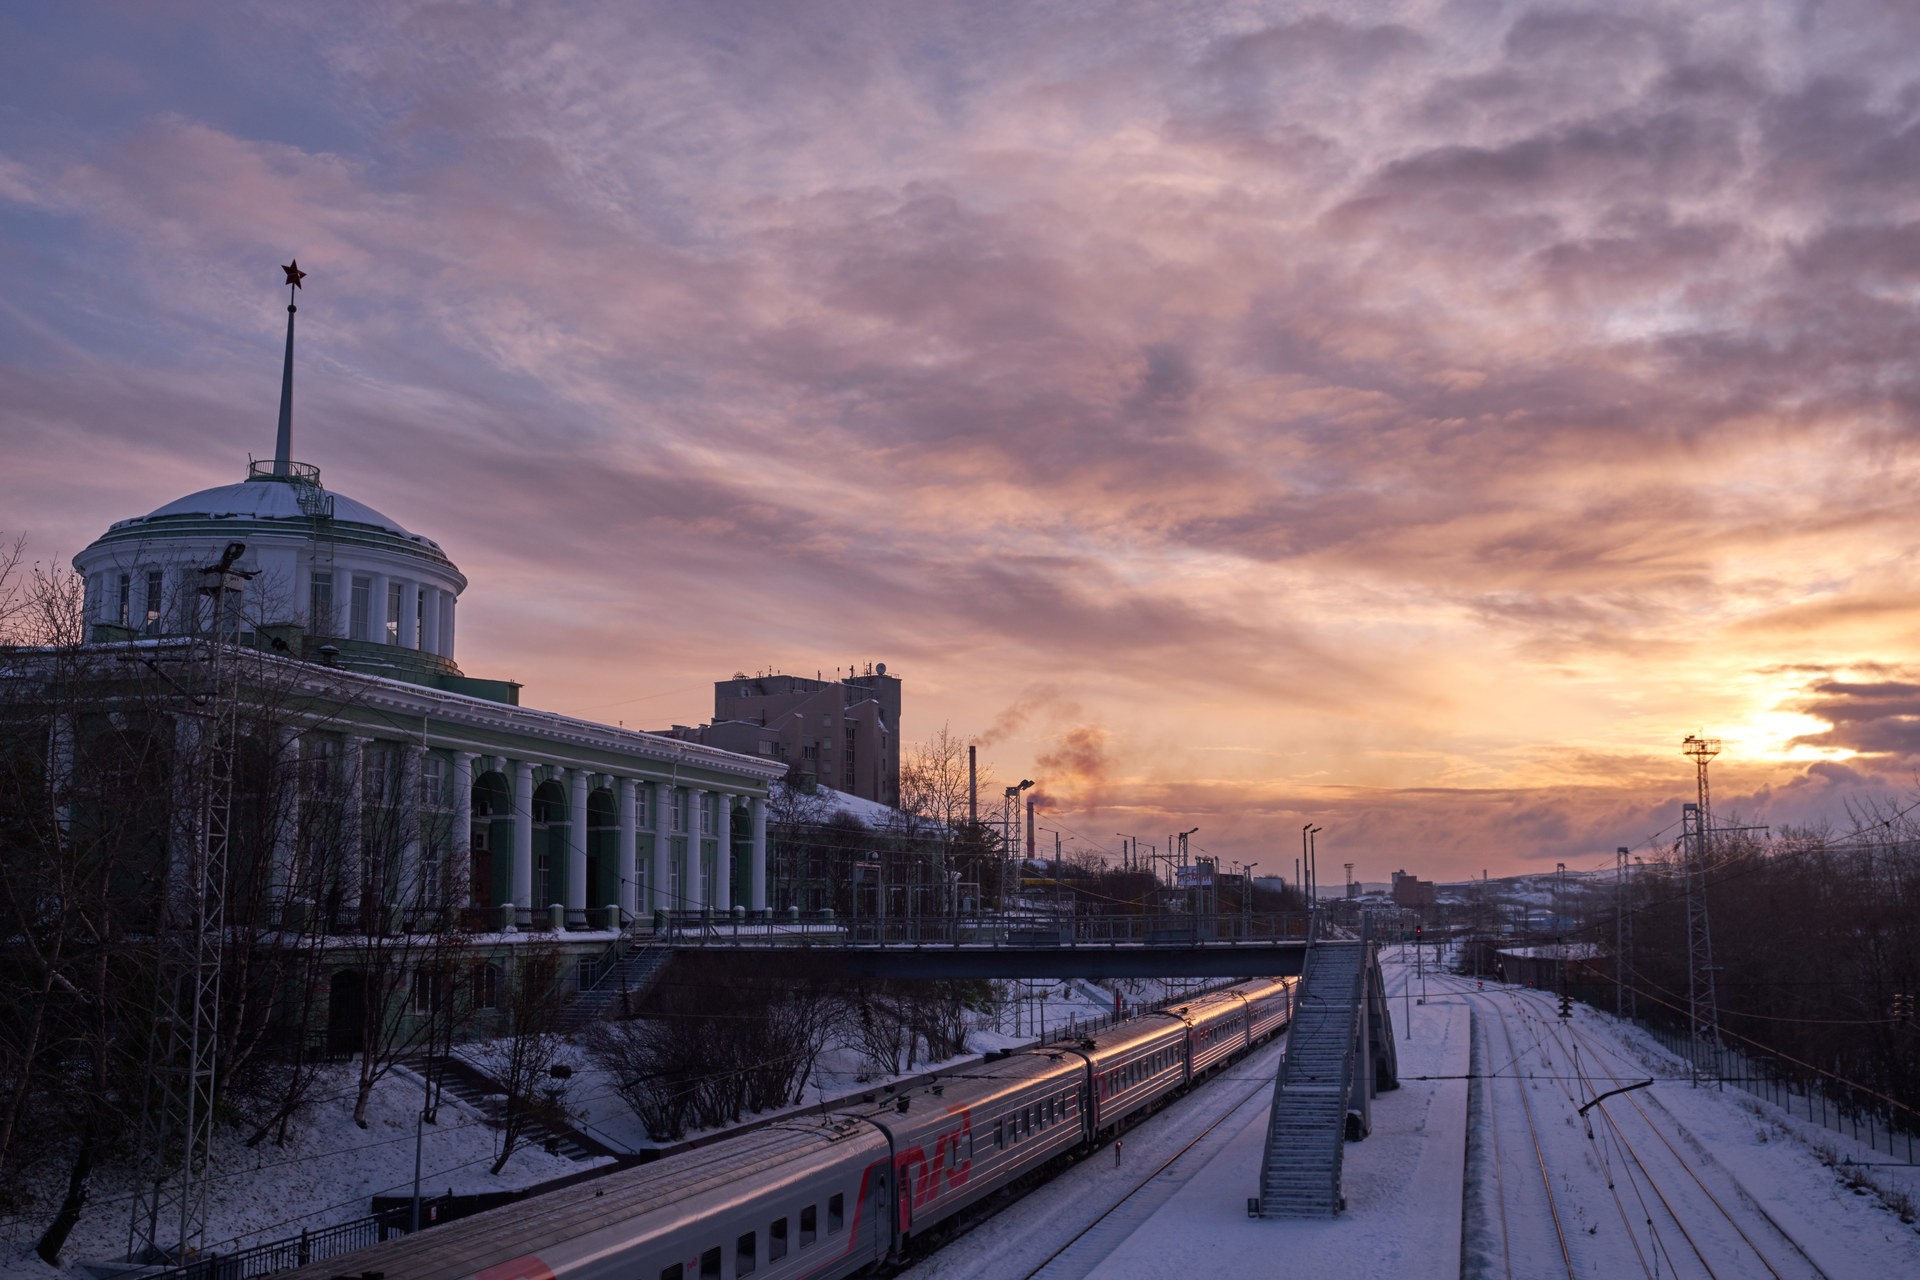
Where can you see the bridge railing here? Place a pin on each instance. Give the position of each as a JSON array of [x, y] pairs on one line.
[[1021, 929]]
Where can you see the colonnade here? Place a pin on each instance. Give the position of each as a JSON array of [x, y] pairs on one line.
[[686, 842], [679, 853]]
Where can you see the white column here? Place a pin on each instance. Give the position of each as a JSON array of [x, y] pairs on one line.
[[462, 838], [757, 874], [430, 626], [662, 874], [523, 840], [411, 893], [353, 867], [577, 843], [629, 833], [723, 855], [446, 624]]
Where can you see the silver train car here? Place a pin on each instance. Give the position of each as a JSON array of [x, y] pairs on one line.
[[826, 1197]]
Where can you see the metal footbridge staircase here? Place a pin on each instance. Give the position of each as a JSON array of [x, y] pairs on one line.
[[1339, 1053]]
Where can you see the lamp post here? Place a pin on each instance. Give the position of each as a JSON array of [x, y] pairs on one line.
[[1008, 815], [1246, 899]]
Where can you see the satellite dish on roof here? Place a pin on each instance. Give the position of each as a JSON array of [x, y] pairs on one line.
[[879, 668]]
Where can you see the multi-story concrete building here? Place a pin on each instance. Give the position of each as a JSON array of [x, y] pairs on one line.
[[844, 732]]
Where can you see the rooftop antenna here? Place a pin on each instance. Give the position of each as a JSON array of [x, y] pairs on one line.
[[283, 442]]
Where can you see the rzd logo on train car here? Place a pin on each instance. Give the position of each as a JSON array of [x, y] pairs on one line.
[[921, 1177]]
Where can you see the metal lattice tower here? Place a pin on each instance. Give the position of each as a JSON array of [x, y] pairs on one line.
[[176, 1120], [1696, 832]]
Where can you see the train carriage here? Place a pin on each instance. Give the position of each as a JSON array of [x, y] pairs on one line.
[[1132, 1067], [1269, 1005], [1216, 1030], [973, 1132], [795, 1201]]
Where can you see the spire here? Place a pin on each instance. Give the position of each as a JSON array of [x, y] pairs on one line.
[[283, 442]]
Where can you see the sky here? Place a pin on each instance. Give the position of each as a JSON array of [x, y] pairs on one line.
[[1410, 418]]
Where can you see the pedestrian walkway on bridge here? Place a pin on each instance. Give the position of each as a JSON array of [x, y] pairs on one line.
[[1339, 1052]]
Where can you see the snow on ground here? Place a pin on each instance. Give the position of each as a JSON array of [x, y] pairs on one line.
[[1411, 1200], [1403, 1182], [327, 1174], [331, 1169]]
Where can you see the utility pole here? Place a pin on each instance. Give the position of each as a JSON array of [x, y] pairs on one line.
[[1619, 931], [1703, 1013], [176, 1119]]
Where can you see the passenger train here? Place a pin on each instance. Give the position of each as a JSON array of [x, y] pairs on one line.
[[831, 1195]]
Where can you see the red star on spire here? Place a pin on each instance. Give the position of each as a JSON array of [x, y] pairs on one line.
[[294, 274]]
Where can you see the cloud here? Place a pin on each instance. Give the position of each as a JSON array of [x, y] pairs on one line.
[[1408, 413]]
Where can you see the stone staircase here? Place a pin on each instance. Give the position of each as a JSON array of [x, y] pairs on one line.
[[1307, 1129], [480, 1091], [623, 982]]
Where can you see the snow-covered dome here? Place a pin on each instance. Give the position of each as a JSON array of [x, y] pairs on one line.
[[340, 571], [264, 496], [265, 501]]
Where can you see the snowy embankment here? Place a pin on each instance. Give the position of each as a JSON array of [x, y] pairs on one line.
[[331, 1169]]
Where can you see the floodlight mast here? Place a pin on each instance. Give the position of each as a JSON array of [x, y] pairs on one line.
[[176, 1119]]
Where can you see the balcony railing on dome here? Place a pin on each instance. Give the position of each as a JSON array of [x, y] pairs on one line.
[[298, 472]]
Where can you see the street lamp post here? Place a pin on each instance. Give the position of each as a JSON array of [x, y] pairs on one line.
[[1008, 815]]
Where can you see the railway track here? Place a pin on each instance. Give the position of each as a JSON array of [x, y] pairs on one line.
[[1511, 1063], [1688, 1228], [1102, 1226]]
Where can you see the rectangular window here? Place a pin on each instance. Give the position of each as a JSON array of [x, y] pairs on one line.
[[836, 1212], [679, 809], [809, 1226], [156, 589], [359, 607], [426, 992], [674, 1272], [393, 612], [486, 986], [320, 602], [710, 1264], [642, 795], [745, 1260], [417, 635], [777, 1240], [433, 782], [123, 612]]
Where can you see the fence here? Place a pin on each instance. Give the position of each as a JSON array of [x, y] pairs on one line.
[[1786, 1089], [283, 1255], [1026, 929], [1785, 1084]]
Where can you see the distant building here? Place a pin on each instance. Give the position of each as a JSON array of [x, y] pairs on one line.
[[1412, 891], [844, 732]]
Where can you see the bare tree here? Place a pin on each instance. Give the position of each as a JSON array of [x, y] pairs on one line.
[[521, 1061]]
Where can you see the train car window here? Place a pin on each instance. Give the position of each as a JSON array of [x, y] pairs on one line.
[[674, 1272], [836, 1212], [710, 1264], [969, 1141], [777, 1240], [809, 1222], [745, 1254], [999, 1133]]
